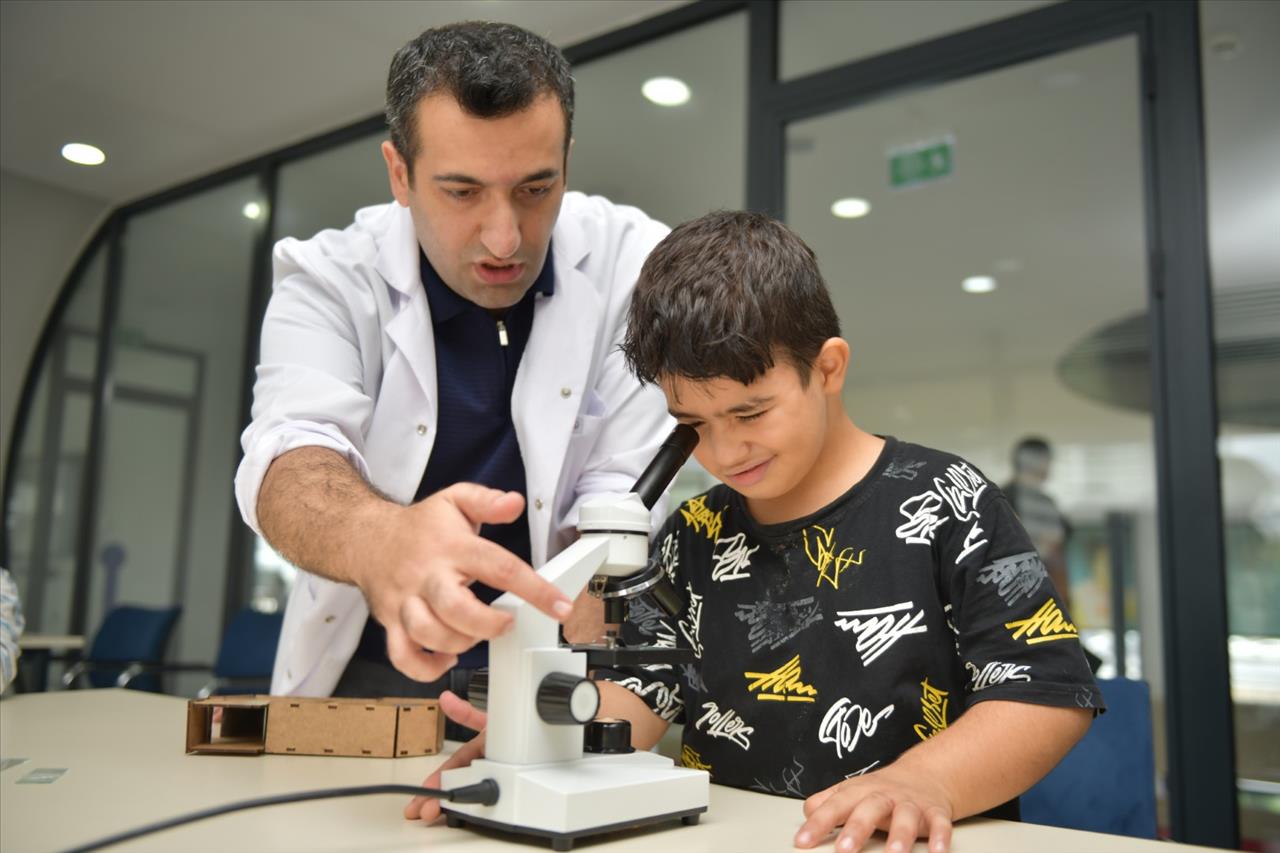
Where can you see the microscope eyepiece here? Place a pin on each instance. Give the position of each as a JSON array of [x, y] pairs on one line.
[[666, 464]]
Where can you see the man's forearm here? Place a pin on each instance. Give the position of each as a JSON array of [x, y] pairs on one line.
[[996, 751], [320, 514]]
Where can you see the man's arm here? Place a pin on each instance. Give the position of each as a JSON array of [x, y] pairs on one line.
[[995, 751], [414, 564]]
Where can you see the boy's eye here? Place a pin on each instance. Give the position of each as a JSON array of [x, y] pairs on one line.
[[746, 419]]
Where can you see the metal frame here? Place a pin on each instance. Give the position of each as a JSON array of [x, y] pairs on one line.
[[1201, 747]]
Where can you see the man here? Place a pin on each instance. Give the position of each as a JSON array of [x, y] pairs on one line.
[[440, 386]]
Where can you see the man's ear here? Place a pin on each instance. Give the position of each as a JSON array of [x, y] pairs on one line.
[[831, 365], [397, 173]]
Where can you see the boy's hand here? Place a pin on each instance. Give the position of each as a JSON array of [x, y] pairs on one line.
[[463, 713], [905, 804]]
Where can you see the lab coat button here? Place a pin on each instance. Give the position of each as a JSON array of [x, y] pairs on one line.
[[565, 392], [537, 503], [422, 429], [328, 619]]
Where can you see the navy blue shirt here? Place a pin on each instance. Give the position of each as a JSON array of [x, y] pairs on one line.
[[477, 355]]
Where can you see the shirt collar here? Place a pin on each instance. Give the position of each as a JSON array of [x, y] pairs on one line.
[[445, 304]]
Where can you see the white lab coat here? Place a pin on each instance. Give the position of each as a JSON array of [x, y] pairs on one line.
[[348, 363]]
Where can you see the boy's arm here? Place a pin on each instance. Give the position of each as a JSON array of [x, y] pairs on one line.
[[647, 728], [991, 754]]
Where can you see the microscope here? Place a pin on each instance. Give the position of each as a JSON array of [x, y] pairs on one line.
[[562, 774]]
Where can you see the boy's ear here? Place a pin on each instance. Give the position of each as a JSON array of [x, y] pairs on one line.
[[832, 364]]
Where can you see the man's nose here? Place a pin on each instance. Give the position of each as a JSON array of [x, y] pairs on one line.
[[500, 231]]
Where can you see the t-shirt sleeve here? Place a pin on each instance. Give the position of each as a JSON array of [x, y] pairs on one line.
[[1015, 639], [661, 686]]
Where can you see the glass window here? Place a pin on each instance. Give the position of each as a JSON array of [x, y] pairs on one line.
[[984, 243], [326, 189], [1240, 63], [820, 34], [172, 425], [673, 162], [43, 517]]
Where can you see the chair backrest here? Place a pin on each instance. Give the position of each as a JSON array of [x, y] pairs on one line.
[[248, 647], [132, 634], [1107, 782]]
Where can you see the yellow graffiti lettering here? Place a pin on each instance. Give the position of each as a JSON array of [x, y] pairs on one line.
[[690, 757], [783, 684], [701, 518], [1048, 624], [820, 548], [933, 706]]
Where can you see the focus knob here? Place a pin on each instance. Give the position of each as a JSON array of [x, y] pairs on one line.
[[607, 736], [567, 700]]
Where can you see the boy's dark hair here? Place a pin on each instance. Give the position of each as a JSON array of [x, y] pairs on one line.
[[723, 296], [492, 70]]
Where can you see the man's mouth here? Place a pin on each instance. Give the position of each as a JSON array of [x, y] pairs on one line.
[[492, 273]]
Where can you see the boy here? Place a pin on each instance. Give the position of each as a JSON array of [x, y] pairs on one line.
[[870, 606]]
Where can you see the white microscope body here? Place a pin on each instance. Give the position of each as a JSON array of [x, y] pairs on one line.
[[538, 700]]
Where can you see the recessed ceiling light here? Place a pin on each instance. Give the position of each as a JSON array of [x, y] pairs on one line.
[[253, 210], [978, 284], [666, 91], [851, 208], [85, 155]]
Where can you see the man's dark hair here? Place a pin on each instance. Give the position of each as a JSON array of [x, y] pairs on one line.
[[724, 295], [492, 70]]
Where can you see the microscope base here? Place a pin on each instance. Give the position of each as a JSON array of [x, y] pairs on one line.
[[568, 800]]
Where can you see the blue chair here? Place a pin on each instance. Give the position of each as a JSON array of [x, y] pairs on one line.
[[247, 654], [128, 646], [1107, 782]]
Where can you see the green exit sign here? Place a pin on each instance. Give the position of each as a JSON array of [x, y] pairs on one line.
[[921, 162]]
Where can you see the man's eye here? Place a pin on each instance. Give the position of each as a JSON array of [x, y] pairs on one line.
[[538, 191], [460, 194]]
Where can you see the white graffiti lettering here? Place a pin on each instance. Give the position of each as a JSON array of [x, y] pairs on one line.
[[731, 558], [996, 672], [879, 628], [667, 703], [846, 723], [970, 545], [691, 625], [725, 724]]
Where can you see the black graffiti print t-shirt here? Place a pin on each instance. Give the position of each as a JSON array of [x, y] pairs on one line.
[[829, 645]]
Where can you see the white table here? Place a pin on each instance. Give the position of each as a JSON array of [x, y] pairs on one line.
[[123, 751]]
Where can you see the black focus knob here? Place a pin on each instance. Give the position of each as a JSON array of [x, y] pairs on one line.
[[607, 736], [567, 700]]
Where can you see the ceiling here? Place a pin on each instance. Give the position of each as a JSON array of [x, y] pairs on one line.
[[175, 90], [1046, 193]]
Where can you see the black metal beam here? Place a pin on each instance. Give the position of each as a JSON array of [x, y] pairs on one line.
[[1199, 724], [95, 462], [650, 29]]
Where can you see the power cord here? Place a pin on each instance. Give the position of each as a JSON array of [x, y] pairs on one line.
[[484, 792]]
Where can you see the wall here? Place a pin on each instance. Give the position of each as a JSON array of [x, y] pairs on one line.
[[43, 229]]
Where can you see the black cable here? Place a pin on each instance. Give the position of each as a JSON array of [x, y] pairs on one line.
[[484, 792]]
